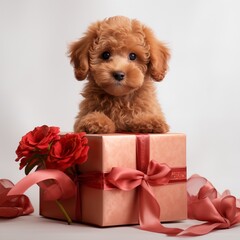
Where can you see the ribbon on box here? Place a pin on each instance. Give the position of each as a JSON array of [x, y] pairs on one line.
[[148, 174]]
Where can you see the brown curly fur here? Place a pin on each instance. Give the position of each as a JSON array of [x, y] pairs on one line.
[[110, 105]]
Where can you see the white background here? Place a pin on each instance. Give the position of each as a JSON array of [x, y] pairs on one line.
[[200, 94]]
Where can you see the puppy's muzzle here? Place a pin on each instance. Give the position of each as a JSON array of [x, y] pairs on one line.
[[118, 75]]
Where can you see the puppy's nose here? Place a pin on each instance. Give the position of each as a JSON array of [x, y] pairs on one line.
[[118, 75]]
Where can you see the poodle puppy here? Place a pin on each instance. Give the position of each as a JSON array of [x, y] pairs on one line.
[[121, 58]]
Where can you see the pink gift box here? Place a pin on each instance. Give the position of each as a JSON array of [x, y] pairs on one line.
[[102, 207]]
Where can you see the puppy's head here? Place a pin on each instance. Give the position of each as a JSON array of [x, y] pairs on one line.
[[118, 53]]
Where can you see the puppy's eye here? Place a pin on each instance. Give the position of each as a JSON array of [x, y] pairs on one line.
[[132, 56], [106, 55]]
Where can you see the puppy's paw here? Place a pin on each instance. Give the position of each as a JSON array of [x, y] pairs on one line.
[[95, 122], [148, 124]]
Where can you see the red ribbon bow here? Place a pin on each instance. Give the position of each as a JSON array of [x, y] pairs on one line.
[[128, 179], [149, 209]]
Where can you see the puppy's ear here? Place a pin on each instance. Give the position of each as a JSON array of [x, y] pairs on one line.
[[79, 53], [159, 55]]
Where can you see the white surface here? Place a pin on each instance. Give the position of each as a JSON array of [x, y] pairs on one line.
[[200, 94], [38, 228]]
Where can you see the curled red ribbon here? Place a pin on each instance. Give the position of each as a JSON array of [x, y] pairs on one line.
[[12, 201], [61, 187], [13, 206], [206, 204]]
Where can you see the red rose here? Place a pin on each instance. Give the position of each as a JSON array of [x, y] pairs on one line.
[[36, 143], [71, 149]]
